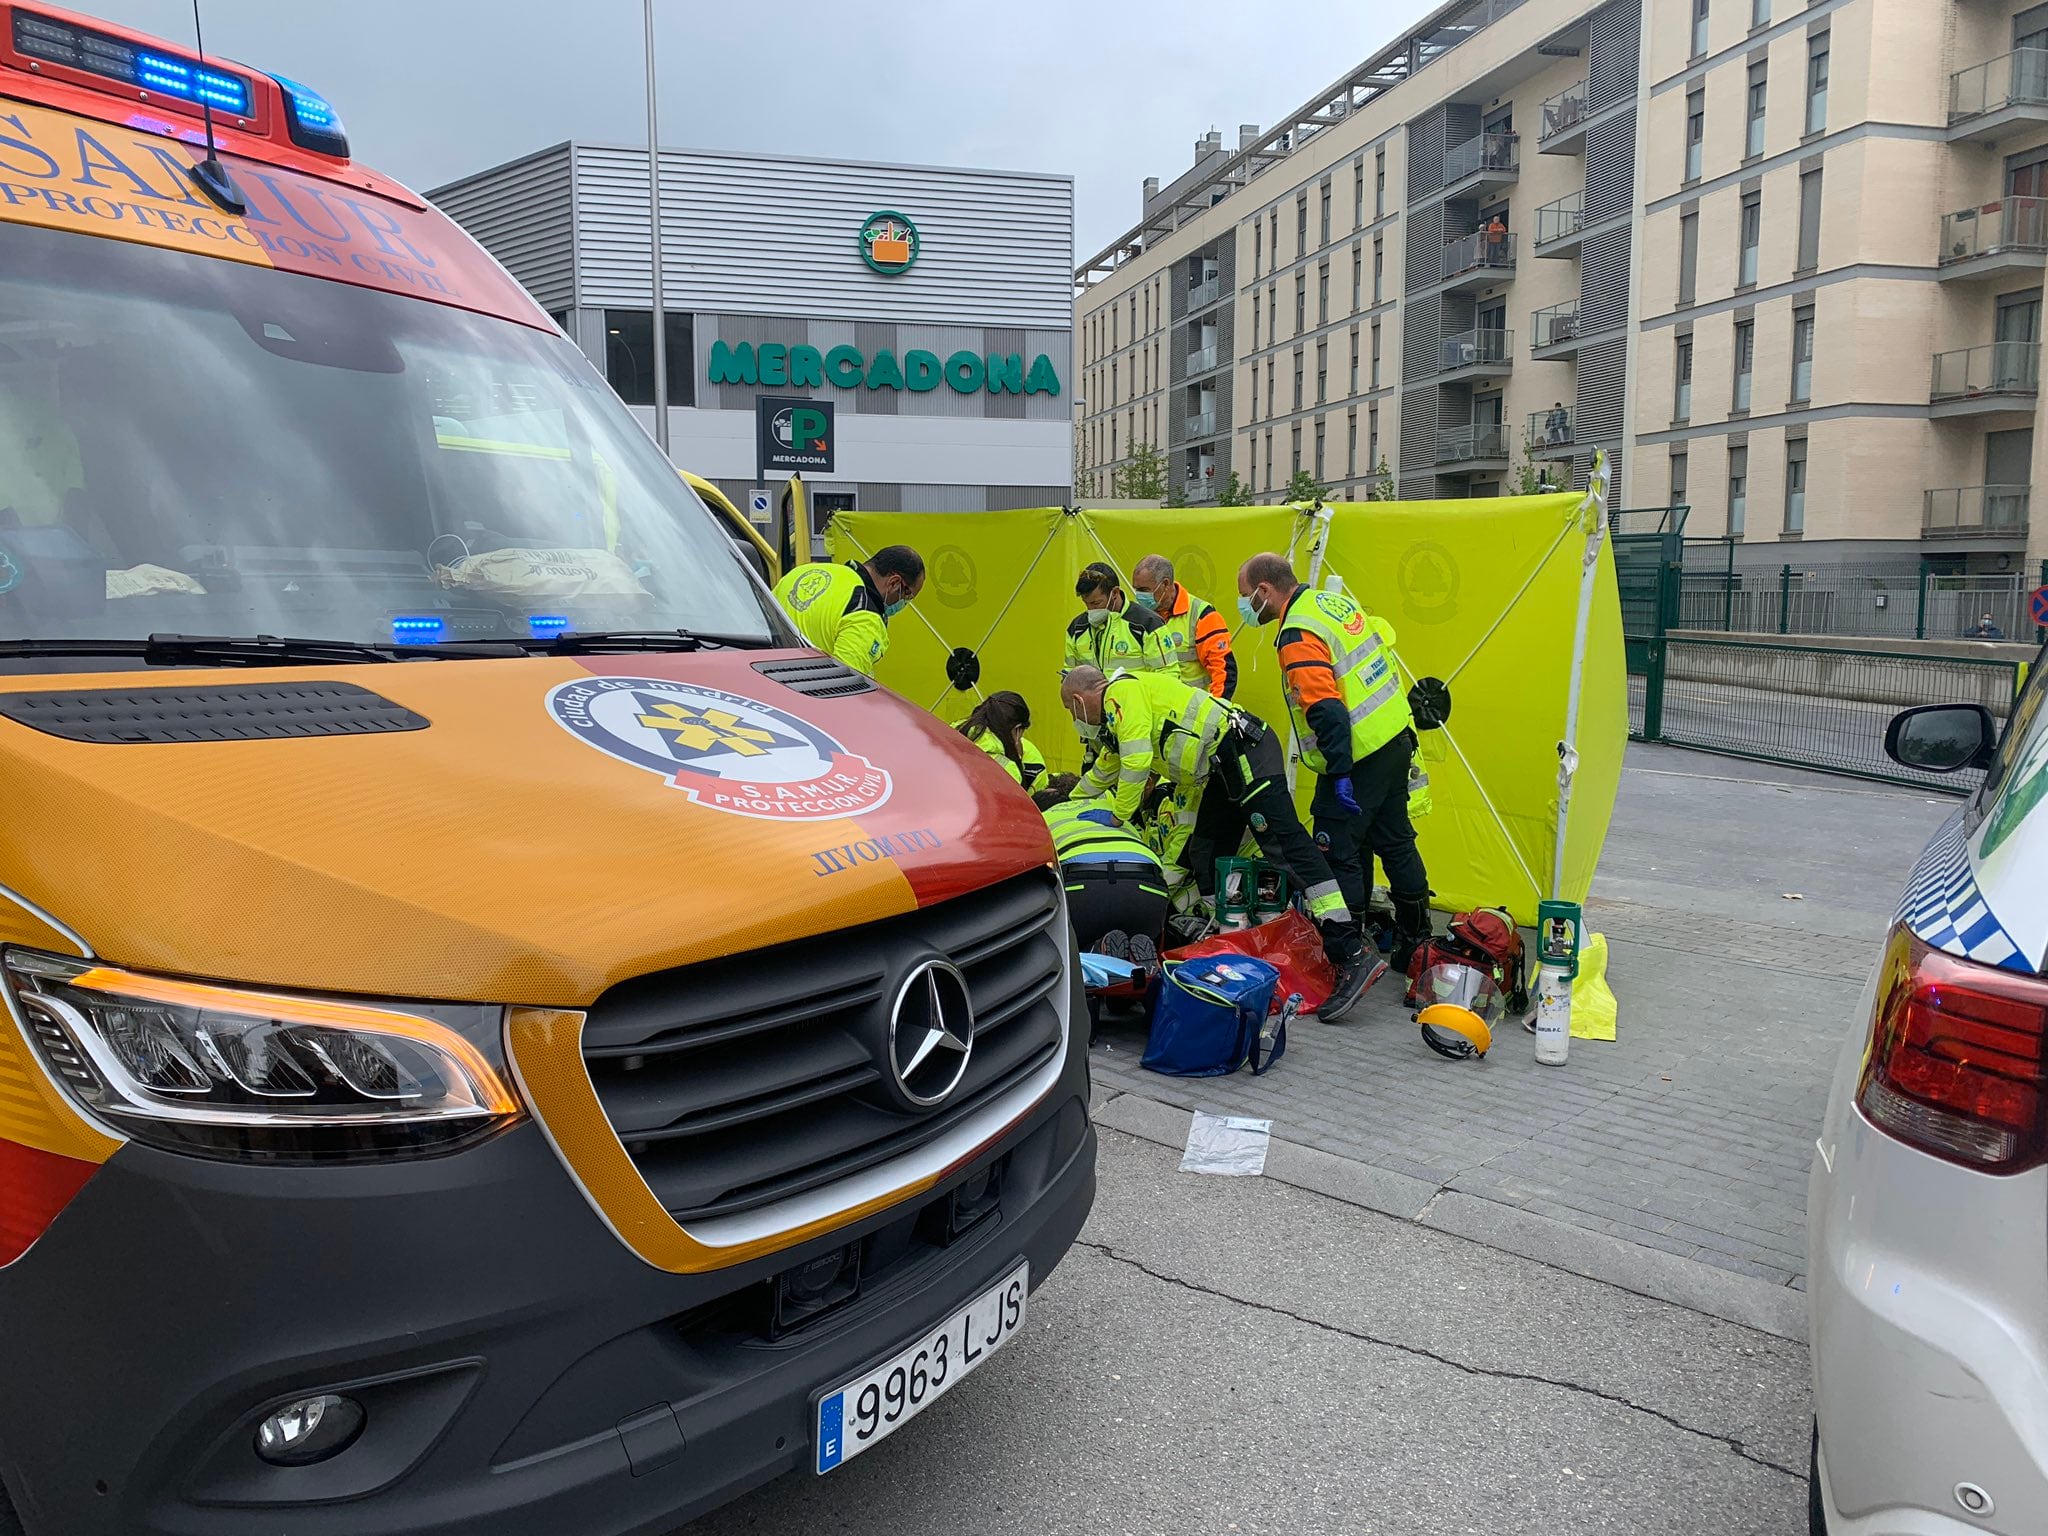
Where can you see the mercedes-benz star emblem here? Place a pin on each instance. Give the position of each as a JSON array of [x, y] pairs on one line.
[[931, 1033]]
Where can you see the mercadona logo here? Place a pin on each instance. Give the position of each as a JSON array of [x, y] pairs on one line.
[[724, 750]]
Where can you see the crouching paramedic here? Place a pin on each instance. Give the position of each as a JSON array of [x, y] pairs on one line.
[[1113, 880], [1356, 731], [844, 610], [997, 726], [1155, 723]]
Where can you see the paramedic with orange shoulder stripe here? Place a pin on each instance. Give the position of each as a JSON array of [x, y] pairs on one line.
[[1354, 729], [1193, 636]]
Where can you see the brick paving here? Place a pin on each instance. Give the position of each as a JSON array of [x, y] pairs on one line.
[[1692, 1132]]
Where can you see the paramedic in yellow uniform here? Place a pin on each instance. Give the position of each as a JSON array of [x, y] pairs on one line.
[[1194, 637], [844, 610]]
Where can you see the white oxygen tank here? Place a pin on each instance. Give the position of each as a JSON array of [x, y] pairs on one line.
[[1553, 1015]]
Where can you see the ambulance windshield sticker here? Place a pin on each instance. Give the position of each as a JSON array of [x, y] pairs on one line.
[[724, 750]]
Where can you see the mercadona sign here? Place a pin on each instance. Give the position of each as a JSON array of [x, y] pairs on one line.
[[799, 367]]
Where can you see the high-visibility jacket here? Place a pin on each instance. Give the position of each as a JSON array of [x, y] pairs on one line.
[[1128, 641], [1154, 723], [1033, 775], [1195, 640], [1342, 686], [1087, 832], [837, 610]]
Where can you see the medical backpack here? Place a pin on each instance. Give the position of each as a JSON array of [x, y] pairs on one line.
[[1486, 937]]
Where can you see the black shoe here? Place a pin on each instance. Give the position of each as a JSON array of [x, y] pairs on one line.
[[1144, 952], [1353, 981], [1116, 944]]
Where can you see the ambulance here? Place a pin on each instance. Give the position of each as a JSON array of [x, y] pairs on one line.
[[497, 1036]]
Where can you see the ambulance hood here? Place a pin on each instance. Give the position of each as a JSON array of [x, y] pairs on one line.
[[530, 832]]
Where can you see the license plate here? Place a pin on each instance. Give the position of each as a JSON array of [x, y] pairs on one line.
[[870, 1408]]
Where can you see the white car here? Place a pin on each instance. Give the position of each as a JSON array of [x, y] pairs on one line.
[[1927, 1211]]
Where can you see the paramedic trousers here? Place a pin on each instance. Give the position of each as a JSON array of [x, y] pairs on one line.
[[1116, 897], [1379, 782], [1247, 786]]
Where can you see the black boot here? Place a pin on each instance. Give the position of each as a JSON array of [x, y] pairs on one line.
[[1411, 929], [1357, 969]]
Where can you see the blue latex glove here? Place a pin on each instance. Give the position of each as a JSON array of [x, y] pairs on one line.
[[1347, 796]]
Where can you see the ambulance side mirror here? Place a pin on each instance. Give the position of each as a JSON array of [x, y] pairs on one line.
[[1942, 738]]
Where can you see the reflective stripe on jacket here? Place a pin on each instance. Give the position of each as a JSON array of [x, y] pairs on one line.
[[1195, 641], [1033, 775], [1155, 723], [1359, 662], [837, 610]]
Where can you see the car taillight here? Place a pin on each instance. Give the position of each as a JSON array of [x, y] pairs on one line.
[[1958, 1058]]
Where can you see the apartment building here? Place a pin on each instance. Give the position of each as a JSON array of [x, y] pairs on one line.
[[1782, 261]]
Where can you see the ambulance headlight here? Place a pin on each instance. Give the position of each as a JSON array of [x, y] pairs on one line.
[[225, 1072]]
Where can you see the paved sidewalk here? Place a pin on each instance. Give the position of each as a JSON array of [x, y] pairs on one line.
[[1691, 1133]]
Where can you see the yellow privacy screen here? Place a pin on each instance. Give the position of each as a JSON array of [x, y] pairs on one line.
[[1481, 593]]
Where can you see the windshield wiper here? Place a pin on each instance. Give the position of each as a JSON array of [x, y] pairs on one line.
[[249, 650], [586, 642]]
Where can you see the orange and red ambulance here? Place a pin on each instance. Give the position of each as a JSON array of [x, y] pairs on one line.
[[497, 1037]]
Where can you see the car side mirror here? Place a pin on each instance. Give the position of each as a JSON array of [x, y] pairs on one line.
[[1941, 738]]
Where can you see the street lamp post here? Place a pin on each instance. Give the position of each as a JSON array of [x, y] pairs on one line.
[[660, 316]]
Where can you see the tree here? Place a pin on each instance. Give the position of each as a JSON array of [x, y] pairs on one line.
[[1176, 496], [1142, 477], [1304, 488], [1084, 472], [1381, 486], [1532, 478], [1235, 492]]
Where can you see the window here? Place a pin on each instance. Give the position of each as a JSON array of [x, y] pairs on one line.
[[1354, 362], [1681, 394], [1351, 444], [1297, 378], [1752, 237], [1817, 85], [1379, 271], [1323, 294], [1357, 277], [1695, 133], [1297, 448], [1688, 256], [629, 356], [1255, 324], [1809, 221], [1358, 194], [1802, 354], [1258, 247], [1301, 225], [1112, 382], [1319, 451], [1699, 27], [1148, 308], [1759, 13], [1113, 342], [1113, 452], [1272, 373], [1745, 361], [1757, 95], [1678, 468], [1372, 439], [1738, 491], [1255, 458], [1269, 458], [1322, 371], [1300, 302], [1375, 354], [1255, 391], [1795, 486], [1326, 213], [1272, 313], [1379, 189], [1273, 239]]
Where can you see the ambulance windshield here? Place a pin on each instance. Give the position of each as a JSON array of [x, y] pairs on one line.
[[197, 446]]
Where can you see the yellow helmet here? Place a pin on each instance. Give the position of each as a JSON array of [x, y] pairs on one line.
[[1461, 1003], [1456, 1032]]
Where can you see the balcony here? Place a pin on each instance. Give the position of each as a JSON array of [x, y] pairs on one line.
[[1473, 261], [1478, 449], [2001, 377], [1205, 293], [1550, 433], [1559, 226], [1564, 122], [1202, 424], [1997, 240], [1200, 486], [1554, 333], [1202, 360], [1484, 353], [1482, 164], [1987, 101], [1996, 512]]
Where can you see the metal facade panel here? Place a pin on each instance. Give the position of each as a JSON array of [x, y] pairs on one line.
[[522, 214], [945, 498], [1422, 334], [943, 341], [1419, 413], [753, 234], [1426, 154], [1603, 281], [1057, 345], [1424, 232], [755, 329], [1611, 167], [1602, 389], [1612, 45]]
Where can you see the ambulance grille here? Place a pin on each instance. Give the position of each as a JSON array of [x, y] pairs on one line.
[[748, 1079], [817, 677]]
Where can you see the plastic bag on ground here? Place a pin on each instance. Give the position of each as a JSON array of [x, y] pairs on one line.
[[1230, 1145], [1593, 1005]]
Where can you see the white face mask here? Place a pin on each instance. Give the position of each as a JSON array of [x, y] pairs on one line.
[[1097, 617]]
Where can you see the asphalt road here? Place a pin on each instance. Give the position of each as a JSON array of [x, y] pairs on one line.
[[1235, 1355]]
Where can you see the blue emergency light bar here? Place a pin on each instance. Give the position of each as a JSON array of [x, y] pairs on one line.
[[547, 625], [313, 122], [155, 70]]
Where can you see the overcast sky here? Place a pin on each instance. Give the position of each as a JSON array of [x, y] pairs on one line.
[[1107, 91]]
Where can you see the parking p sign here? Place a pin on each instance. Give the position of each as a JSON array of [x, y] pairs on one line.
[[793, 434]]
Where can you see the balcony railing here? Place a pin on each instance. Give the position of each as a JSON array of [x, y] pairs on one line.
[[2010, 224], [1964, 509], [1201, 424], [1469, 349], [1199, 487], [1202, 359], [1566, 216], [1550, 429], [1999, 368], [1484, 152], [2016, 79], [1563, 112], [1468, 444], [1203, 294], [1550, 326], [1476, 252]]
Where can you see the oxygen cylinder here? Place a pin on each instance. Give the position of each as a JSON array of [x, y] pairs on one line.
[[1553, 1015]]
